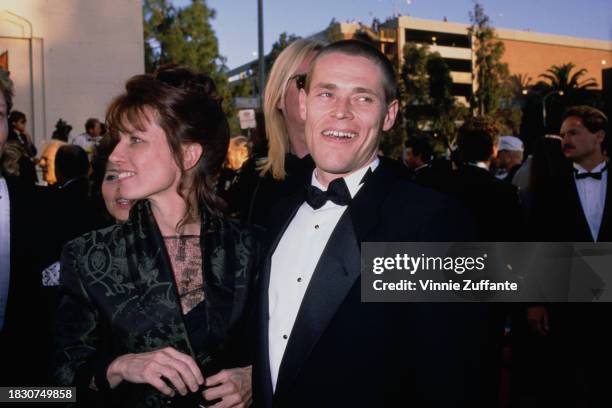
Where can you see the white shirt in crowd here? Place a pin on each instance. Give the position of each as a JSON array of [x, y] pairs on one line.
[[294, 262], [5, 247], [592, 193], [87, 142]]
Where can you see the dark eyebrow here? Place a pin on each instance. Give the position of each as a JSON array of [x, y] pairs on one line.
[[358, 89], [325, 85]]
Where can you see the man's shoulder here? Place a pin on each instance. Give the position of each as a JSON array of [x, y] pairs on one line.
[[407, 196], [404, 192]]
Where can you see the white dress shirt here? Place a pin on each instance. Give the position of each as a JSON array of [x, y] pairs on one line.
[[5, 247], [592, 193], [294, 262]]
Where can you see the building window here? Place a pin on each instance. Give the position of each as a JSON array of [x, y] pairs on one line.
[[437, 38]]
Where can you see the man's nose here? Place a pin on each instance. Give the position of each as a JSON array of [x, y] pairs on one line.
[[342, 109]]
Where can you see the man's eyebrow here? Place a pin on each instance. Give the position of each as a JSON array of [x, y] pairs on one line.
[[358, 89], [361, 89], [326, 85]]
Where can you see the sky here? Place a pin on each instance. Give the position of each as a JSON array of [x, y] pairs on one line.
[[236, 20]]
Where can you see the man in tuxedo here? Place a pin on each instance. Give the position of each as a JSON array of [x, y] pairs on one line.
[[584, 131], [23, 330], [577, 207], [318, 344], [493, 204]]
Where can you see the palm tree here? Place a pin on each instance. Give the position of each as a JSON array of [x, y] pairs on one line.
[[561, 78], [519, 84]]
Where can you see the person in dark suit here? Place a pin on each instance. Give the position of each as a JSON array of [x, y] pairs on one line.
[[424, 169], [18, 135], [318, 344], [74, 212], [576, 206], [23, 346], [492, 203]]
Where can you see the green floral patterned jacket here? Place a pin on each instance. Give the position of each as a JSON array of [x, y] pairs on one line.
[[119, 297]]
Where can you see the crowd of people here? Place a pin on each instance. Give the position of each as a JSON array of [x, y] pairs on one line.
[[167, 264]]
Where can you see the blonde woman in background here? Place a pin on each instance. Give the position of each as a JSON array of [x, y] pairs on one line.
[[287, 167]]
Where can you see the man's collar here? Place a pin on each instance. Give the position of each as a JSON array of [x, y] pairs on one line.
[[421, 167], [481, 164], [353, 180], [595, 169]]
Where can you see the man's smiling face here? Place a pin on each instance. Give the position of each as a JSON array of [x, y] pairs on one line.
[[345, 111]]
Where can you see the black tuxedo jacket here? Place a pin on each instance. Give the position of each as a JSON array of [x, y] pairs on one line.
[[343, 352], [24, 338], [493, 204], [558, 213], [579, 330]]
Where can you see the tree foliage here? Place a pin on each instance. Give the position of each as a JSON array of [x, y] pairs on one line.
[[518, 85], [561, 86], [561, 78], [428, 104], [333, 32], [284, 40], [491, 73], [185, 36]]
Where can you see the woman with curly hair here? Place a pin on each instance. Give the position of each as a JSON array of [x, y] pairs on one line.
[[154, 310]]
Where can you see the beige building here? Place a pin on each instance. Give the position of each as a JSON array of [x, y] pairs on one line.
[[527, 53], [69, 58]]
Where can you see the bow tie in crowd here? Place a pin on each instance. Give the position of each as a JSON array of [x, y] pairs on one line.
[[337, 192], [596, 175]]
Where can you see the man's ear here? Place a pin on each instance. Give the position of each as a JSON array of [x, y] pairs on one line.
[[600, 136], [302, 98], [390, 115], [192, 153]]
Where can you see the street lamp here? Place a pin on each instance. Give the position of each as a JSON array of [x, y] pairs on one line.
[[560, 93], [260, 47]]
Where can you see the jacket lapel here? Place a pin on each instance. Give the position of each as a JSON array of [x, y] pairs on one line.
[[605, 228], [337, 271], [282, 219], [151, 270]]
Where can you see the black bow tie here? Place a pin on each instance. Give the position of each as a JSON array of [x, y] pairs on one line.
[[337, 192], [597, 175]]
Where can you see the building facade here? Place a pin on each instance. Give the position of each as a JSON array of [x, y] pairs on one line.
[[526, 53], [69, 58]]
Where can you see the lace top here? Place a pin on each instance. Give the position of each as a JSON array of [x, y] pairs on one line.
[[186, 258]]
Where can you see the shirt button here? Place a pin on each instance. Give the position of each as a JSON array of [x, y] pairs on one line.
[[299, 279], [285, 336], [317, 226]]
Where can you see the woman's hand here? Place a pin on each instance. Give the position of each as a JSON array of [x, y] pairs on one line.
[[148, 368], [233, 386]]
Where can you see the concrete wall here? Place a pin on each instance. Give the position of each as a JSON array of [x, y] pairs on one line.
[[69, 58]]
